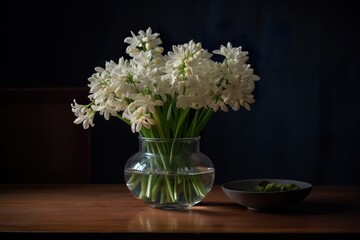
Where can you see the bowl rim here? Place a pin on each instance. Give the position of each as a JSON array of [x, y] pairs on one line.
[[305, 185]]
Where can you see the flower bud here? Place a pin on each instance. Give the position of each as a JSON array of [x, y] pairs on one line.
[[159, 49]]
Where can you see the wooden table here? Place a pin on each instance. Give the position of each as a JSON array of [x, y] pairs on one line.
[[111, 212]]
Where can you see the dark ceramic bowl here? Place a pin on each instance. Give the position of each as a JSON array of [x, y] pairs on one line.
[[243, 192]]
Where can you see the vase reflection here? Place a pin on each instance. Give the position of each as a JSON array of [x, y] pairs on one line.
[[153, 220]]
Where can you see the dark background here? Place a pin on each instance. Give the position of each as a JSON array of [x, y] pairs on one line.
[[305, 123]]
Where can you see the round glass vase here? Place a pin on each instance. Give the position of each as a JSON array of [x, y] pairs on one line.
[[169, 173]]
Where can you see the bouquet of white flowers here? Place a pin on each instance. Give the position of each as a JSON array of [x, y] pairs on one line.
[[153, 89], [168, 96]]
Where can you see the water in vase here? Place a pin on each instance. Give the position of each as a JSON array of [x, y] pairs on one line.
[[168, 190]]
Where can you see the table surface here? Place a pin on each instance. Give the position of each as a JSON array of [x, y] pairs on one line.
[[110, 209]]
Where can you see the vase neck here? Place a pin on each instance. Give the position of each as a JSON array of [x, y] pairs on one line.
[[185, 144]]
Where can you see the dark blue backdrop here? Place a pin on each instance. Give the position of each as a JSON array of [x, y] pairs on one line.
[[305, 123]]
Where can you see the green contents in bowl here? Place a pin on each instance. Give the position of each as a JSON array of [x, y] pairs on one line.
[[266, 186]]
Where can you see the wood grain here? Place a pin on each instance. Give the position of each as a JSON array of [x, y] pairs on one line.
[[111, 209]]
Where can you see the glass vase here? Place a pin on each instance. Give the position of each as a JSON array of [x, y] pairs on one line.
[[169, 173]]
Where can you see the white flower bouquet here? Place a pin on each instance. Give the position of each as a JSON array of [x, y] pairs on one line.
[[168, 96]]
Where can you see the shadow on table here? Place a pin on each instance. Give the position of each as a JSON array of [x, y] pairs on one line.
[[315, 208], [303, 208]]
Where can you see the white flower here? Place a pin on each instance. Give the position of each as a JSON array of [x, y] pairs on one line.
[[84, 115], [229, 52], [139, 118], [186, 66], [144, 41], [146, 102], [180, 60], [140, 111], [107, 108]]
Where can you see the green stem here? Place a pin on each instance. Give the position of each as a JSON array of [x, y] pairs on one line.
[[193, 124], [204, 118], [123, 119], [182, 117]]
